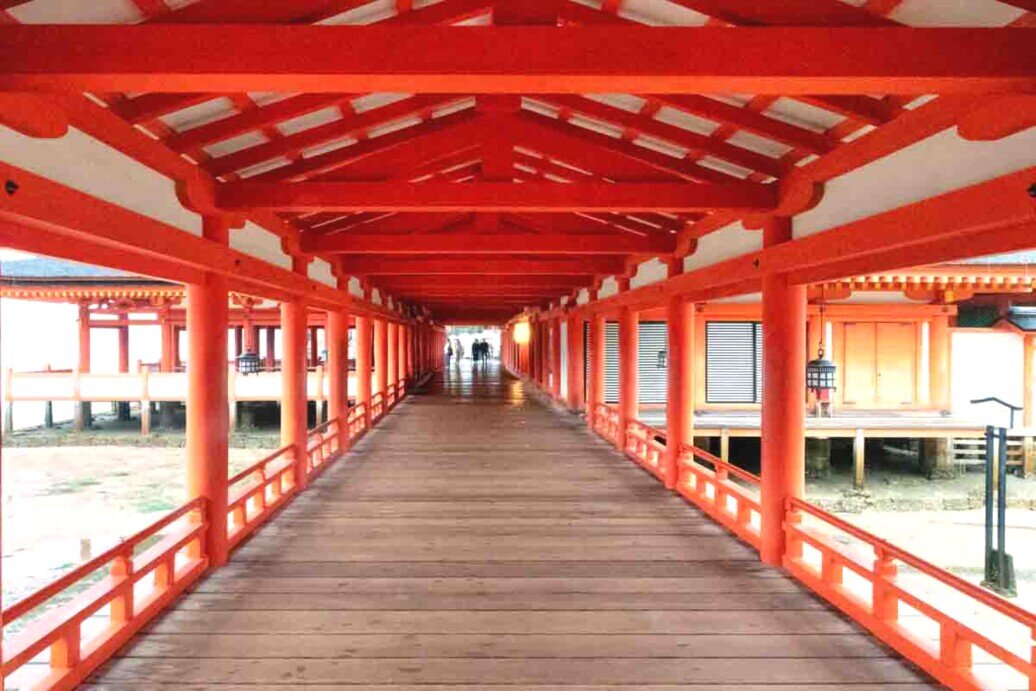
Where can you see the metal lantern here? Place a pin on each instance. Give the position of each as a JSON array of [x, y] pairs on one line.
[[820, 379], [820, 374], [248, 362]]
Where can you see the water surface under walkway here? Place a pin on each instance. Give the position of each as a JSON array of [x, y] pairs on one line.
[[476, 538]]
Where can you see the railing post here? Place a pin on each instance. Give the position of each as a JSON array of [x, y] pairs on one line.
[[680, 393], [628, 394], [783, 409], [207, 407], [884, 602], [122, 604]]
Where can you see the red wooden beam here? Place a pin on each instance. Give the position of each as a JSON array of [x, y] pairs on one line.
[[446, 265], [150, 106], [491, 196], [214, 58], [439, 282], [489, 243]]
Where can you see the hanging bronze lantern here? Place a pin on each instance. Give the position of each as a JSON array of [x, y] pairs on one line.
[[821, 372], [248, 363]]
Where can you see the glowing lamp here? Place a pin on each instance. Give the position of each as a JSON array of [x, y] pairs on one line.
[[521, 333]]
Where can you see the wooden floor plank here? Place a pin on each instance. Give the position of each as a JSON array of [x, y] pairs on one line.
[[478, 539]]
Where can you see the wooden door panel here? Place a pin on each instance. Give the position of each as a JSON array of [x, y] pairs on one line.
[[860, 368], [896, 363]]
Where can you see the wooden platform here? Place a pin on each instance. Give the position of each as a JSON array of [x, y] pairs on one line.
[[477, 539]]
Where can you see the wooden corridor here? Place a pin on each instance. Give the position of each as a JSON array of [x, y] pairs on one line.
[[477, 538]]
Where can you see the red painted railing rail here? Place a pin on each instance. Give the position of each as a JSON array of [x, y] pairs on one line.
[[259, 490], [126, 586], [963, 635], [727, 493], [941, 634], [132, 581]]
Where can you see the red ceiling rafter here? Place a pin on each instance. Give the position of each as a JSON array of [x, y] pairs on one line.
[[696, 143], [453, 130], [352, 125]]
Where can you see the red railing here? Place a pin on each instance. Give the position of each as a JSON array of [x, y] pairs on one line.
[[258, 491], [727, 493], [909, 610], [356, 421], [122, 589], [987, 642], [322, 445], [606, 422], [646, 445], [111, 596], [377, 407]]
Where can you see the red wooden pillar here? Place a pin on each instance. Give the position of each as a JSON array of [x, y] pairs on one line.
[[574, 355], [82, 413], [271, 348], [124, 358], [393, 353], [401, 369], [680, 393], [381, 379], [939, 362], [629, 399], [338, 371], [251, 335], [165, 363], [364, 349], [783, 413], [1029, 381], [294, 403], [208, 413], [595, 385], [555, 358]]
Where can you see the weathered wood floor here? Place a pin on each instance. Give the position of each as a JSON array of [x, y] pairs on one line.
[[477, 539]]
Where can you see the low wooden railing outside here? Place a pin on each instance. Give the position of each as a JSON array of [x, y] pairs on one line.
[[259, 490], [110, 598], [113, 595], [963, 635]]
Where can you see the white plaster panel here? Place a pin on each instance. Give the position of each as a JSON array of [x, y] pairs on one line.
[[354, 287], [583, 297], [650, 271], [89, 166], [955, 13], [939, 164], [608, 287], [261, 244], [728, 242], [319, 270]]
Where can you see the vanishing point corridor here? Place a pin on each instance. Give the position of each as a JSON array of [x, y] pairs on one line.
[[477, 538]]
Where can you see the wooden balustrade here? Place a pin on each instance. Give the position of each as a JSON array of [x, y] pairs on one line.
[[646, 445], [727, 493], [963, 635], [140, 576], [259, 490], [133, 581]]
